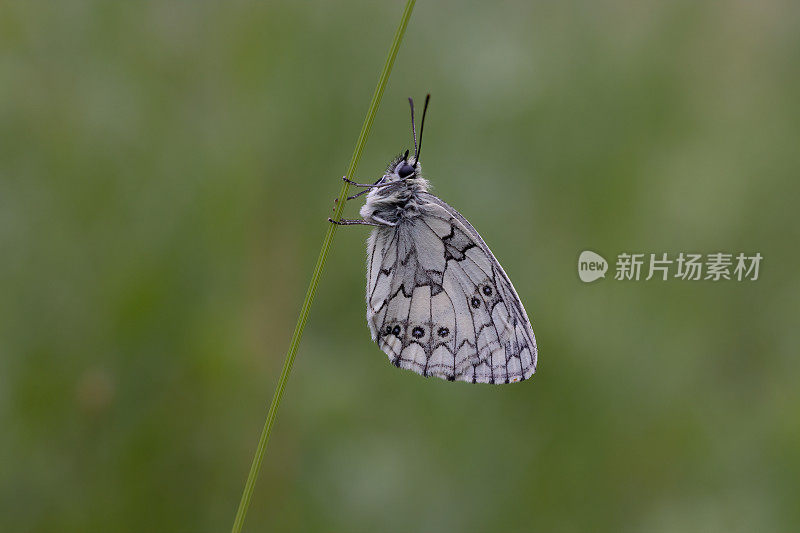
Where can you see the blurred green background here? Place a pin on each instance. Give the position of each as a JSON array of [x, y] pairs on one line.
[[166, 169]]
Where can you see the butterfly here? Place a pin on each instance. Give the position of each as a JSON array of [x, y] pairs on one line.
[[438, 301]]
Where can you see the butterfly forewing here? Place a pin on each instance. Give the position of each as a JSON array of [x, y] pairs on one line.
[[440, 304]]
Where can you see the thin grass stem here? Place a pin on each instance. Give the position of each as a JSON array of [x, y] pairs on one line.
[[258, 458]]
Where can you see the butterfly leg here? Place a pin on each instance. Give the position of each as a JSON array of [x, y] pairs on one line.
[[367, 186], [348, 222], [365, 191], [353, 197], [371, 185], [351, 182]]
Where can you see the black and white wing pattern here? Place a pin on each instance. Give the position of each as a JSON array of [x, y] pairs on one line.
[[440, 304]]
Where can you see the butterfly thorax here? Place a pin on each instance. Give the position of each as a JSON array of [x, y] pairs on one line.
[[396, 199]]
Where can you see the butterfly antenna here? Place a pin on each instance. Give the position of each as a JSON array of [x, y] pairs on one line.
[[421, 128], [413, 126]]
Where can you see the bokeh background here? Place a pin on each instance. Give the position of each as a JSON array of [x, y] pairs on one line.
[[166, 169]]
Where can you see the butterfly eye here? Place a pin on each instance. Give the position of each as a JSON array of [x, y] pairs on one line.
[[404, 170]]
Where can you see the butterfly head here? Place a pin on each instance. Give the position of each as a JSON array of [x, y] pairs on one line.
[[403, 167], [407, 167], [404, 173]]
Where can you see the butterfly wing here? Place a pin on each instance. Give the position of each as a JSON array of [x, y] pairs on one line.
[[440, 304]]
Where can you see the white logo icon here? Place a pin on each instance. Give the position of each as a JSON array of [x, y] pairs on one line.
[[591, 266]]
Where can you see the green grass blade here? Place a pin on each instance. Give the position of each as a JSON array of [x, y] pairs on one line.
[[247, 493]]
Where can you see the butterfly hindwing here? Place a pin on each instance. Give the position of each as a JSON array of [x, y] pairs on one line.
[[440, 304]]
